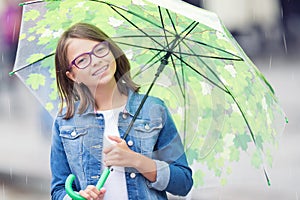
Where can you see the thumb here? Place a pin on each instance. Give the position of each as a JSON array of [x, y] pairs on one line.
[[115, 138]]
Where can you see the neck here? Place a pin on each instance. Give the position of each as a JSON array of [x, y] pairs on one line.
[[109, 97]]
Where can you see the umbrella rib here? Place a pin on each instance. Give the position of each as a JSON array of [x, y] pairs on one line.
[[251, 133], [172, 22], [227, 91], [138, 36], [182, 53], [135, 24], [164, 62], [163, 25], [212, 71], [21, 68], [183, 92], [190, 28], [177, 77], [243, 114], [144, 69], [31, 2], [128, 11], [202, 43], [216, 48], [204, 56], [180, 39], [184, 96], [138, 46], [203, 74]]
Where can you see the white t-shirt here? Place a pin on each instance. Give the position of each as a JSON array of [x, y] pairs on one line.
[[115, 184]]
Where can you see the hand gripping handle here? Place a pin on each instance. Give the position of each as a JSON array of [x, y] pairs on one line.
[[76, 196]]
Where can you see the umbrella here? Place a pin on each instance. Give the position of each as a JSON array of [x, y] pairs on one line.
[[221, 103]]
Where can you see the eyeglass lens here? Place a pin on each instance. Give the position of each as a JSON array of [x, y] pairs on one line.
[[84, 60]]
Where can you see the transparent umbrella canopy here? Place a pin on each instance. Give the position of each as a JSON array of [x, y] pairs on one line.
[[221, 103]]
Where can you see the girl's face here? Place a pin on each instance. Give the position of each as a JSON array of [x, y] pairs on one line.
[[99, 72]]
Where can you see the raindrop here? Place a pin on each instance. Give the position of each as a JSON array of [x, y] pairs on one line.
[[9, 108], [270, 62], [26, 180], [10, 173], [15, 32], [284, 42], [3, 191], [297, 196]]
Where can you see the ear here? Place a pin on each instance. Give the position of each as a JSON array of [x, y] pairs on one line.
[[71, 76]]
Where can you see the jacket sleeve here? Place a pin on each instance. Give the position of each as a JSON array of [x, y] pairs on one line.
[[59, 166], [173, 173]]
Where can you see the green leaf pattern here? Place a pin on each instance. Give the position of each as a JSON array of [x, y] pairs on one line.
[[217, 96]]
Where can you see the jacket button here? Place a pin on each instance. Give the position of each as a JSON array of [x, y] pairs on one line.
[[73, 133], [124, 115], [147, 127], [99, 116], [130, 143], [132, 175]]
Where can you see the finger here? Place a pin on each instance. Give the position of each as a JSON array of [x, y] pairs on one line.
[[108, 149], [84, 194], [91, 192], [95, 190], [115, 138], [101, 194], [94, 194], [109, 163]]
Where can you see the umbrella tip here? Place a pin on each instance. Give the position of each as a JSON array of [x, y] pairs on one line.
[[11, 73], [286, 120]]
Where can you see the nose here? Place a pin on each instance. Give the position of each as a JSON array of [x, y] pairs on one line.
[[95, 60]]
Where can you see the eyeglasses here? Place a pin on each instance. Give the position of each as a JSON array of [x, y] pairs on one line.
[[84, 60]]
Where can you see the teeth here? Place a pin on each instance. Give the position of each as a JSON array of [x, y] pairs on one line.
[[100, 71]]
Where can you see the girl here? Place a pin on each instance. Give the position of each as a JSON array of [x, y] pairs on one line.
[[100, 101]]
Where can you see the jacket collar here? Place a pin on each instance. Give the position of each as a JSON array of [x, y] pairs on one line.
[[133, 102]]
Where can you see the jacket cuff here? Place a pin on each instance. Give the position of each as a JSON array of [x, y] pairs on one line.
[[162, 176]]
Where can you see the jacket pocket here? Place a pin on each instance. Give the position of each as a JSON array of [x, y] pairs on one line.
[[146, 133], [73, 141], [72, 132]]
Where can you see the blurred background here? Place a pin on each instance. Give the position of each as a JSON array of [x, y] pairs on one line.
[[268, 31]]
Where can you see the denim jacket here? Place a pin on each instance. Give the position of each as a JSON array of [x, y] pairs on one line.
[[77, 149]]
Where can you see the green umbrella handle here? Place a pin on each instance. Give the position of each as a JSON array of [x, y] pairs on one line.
[[103, 178], [76, 196], [69, 189]]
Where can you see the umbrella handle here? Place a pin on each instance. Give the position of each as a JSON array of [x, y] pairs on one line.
[[76, 196]]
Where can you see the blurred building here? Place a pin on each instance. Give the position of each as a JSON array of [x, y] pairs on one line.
[[261, 27], [255, 24], [291, 23]]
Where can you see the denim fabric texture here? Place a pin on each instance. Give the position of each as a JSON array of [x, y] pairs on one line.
[[77, 149]]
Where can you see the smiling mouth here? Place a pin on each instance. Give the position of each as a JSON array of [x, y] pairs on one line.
[[100, 71]]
